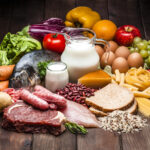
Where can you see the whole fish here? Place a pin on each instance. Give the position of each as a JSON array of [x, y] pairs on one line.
[[25, 73]]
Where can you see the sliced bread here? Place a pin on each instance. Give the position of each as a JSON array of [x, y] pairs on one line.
[[132, 109], [111, 97]]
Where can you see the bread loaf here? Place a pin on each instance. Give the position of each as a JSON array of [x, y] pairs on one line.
[[111, 97]]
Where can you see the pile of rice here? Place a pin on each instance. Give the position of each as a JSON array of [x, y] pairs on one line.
[[122, 122]]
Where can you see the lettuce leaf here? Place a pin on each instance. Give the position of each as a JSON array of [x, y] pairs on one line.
[[3, 58], [15, 46]]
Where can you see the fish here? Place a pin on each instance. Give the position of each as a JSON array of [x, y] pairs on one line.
[[25, 73]]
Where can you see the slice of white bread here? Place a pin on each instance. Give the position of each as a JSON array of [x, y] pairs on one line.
[[132, 109], [111, 97]]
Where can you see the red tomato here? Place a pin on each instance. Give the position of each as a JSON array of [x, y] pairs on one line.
[[54, 42]]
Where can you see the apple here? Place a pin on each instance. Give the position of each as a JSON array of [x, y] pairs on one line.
[[125, 34]]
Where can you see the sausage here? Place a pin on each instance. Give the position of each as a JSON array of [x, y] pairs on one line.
[[53, 106], [34, 100], [50, 97]]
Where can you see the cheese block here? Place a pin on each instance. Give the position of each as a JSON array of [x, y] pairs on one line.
[[143, 105], [95, 79]]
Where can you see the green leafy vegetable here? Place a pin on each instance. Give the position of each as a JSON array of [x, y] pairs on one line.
[[3, 58], [75, 128], [24, 31], [42, 68], [14, 46]]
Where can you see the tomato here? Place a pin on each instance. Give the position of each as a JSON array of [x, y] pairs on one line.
[[54, 42]]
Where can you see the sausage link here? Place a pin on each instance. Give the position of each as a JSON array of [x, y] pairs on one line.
[[50, 97], [34, 100]]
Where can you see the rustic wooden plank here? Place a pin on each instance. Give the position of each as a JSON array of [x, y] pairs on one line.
[[145, 11], [26, 12], [101, 6], [21, 14], [137, 141], [5, 15], [66, 141], [125, 12], [97, 139], [129, 14], [58, 8], [14, 141]]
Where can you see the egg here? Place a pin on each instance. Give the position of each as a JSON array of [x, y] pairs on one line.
[[99, 50], [135, 60], [107, 59], [111, 47], [121, 64], [122, 51]]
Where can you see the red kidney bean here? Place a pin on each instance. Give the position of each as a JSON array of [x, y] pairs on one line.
[[76, 92]]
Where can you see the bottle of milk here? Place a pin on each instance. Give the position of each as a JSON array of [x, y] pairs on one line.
[[80, 55]]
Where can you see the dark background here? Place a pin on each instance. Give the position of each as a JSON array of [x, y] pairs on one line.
[[15, 14]]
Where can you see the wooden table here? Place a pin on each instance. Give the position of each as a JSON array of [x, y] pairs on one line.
[[15, 14]]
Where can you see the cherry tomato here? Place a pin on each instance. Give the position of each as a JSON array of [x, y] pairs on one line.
[[54, 42]]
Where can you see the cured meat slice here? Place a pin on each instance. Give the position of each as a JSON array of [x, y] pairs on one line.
[[50, 97], [22, 117], [79, 114]]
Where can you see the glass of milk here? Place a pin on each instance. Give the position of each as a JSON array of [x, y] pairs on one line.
[[80, 54], [56, 76]]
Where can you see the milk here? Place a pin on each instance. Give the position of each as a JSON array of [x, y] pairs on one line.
[[56, 76], [80, 57]]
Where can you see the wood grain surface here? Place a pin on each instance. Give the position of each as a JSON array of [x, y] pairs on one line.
[[138, 140], [15, 14], [98, 139]]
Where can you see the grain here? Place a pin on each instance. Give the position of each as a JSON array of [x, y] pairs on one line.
[[122, 122]]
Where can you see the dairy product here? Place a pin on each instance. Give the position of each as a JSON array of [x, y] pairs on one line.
[[56, 76], [81, 58]]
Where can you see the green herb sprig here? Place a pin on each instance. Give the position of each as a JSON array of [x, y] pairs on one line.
[[42, 69], [75, 128]]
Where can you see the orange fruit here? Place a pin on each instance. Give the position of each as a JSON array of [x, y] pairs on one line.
[[105, 29]]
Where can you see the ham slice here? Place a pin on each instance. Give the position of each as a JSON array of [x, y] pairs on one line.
[[79, 114]]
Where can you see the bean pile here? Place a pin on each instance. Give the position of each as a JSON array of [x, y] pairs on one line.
[[76, 92]]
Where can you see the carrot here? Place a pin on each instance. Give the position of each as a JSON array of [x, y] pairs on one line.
[[5, 72], [4, 85]]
